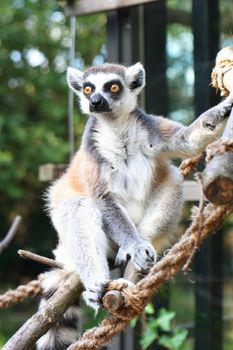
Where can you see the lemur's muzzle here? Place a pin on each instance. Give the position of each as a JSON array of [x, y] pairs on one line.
[[99, 104]]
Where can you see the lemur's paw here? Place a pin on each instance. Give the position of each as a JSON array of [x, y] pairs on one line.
[[93, 295], [142, 256], [122, 257]]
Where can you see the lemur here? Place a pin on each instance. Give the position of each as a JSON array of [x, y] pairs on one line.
[[120, 197]]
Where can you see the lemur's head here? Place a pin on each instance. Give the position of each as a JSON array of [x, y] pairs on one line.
[[108, 89]]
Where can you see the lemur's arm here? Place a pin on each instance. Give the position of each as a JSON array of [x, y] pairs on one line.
[[185, 141], [124, 233]]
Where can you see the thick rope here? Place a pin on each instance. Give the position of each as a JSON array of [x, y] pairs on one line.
[[138, 297], [191, 164], [218, 74], [21, 293], [218, 147]]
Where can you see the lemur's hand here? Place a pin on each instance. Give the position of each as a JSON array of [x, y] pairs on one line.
[[94, 294], [142, 256], [215, 115]]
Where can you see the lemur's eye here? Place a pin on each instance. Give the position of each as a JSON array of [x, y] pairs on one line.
[[87, 90], [115, 88]]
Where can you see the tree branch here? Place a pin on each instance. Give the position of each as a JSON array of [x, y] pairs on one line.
[[45, 318], [10, 234], [40, 259]]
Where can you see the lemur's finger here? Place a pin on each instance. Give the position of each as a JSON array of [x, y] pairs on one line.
[[98, 288], [94, 300]]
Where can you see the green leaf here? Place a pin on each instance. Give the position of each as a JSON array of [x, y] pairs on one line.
[[164, 319], [133, 322], [149, 336], [175, 341], [149, 309], [166, 341], [179, 337]]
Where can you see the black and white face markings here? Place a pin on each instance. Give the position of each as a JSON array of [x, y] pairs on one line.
[[108, 89], [100, 97]]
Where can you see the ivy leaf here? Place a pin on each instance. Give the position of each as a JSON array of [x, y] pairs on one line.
[[149, 309], [149, 336], [164, 319], [175, 341], [133, 322]]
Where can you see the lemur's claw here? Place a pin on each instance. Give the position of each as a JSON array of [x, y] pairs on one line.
[[93, 295]]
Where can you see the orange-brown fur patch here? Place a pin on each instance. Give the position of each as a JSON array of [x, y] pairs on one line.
[[83, 173], [80, 180], [161, 172]]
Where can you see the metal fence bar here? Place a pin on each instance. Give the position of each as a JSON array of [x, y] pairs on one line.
[[208, 312], [123, 32], [156, 92], [70, 92], [155, 27]]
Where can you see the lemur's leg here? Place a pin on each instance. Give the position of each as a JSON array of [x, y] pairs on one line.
[[161, 217], [83, 245], [124, 233], [163, 211]]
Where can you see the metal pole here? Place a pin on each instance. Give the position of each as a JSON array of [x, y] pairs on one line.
[[70, 93]]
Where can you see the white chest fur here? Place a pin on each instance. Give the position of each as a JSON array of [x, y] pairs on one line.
[[126, 147]]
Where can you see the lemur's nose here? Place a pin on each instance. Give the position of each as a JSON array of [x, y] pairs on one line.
[[96, 100]]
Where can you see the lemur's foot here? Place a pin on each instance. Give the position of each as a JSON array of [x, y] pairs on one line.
[[93, 295]]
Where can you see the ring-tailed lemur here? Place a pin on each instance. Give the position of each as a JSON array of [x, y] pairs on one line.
[[120, 197]]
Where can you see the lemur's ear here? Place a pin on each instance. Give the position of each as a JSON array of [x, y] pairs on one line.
[[74, 79], [135, 77]]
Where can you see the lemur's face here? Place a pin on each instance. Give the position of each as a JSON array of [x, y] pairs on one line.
[[107, 90]]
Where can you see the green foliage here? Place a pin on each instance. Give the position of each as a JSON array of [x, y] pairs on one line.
[[174, 341], [159, 329], [34, 51]]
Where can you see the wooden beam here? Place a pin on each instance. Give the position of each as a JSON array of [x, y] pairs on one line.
[[48, 172], [85, 7]]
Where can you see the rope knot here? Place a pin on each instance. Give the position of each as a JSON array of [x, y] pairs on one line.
[[122, 301]]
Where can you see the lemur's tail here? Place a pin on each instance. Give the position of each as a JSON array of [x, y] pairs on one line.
[[64, 332]]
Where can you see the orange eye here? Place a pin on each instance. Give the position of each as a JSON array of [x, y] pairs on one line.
[[115, 88], [87, 90]]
